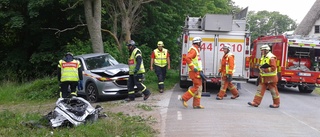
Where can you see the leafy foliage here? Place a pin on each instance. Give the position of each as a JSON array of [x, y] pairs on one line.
[[269, 23]]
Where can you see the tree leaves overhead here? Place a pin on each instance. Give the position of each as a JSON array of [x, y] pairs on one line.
[[269, 23]]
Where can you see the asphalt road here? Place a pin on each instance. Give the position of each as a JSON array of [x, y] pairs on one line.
[[298, 115]]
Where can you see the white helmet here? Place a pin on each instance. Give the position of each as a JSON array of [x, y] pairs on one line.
[[265, 47], [227, 47], [196, 40]]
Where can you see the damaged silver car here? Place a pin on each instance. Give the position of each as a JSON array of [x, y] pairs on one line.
[[103, 76]]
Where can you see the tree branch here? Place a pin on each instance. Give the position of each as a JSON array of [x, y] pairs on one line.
[[71, 7]]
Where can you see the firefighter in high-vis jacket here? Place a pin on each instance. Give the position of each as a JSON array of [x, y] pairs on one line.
[[195, 74], [226, 70], [136, 72], [268, 78], [160, 57], [69, 75]]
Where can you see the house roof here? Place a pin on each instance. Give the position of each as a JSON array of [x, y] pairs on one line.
[[309, 20]]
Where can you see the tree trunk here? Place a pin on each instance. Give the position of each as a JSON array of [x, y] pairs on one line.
[[309, 20], [92, 9]]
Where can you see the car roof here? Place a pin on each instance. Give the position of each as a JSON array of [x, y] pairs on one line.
[[90, 55]]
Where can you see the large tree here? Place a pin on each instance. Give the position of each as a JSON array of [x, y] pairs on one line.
[[269, 23], [92, 10]]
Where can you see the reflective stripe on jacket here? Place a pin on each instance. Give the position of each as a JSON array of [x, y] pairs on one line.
[[160, 57], [197, 60], [227, 64], [266, 60], [69, 70], [132, 62]]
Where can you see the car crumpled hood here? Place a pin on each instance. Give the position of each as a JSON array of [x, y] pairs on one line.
[[112, 70]]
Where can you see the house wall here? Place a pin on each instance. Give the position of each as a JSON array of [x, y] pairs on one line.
[[311, 33]]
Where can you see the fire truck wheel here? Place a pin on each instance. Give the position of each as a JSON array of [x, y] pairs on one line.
[[257, 82], [304, 89]]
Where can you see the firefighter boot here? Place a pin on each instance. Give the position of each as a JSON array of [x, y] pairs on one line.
[[146, 94], [220, 95], [276, 103], [196, 102], [253, 104], [234, 92], [184, 103]]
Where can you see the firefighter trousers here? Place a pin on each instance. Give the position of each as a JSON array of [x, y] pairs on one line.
[[225, 84], [262, 89], [161, 74], [195, 91], [136, 80], [64, 89]]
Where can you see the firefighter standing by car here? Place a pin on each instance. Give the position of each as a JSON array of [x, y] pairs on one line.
[[226, 70], [69, 75], [195, 74], [160, 57], [136, 72], [268, 78]]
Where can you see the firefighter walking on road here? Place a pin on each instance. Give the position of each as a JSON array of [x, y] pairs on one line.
[[160, 57], [69, 75], [136, 72], [195, 74], [268, 78], [226, 70]]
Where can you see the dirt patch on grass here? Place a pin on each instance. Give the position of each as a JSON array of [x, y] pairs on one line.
[[148, 110]]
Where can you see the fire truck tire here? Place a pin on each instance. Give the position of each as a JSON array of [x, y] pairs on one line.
[[303, 89], [257, 81], [185, 84]]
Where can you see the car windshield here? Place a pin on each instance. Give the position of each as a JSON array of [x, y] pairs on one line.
[[100, 62]]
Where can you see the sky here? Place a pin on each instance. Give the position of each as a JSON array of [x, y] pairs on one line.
[[295, 9]]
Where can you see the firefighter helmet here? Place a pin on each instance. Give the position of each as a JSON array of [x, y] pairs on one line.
[[196, 40], [227, 47], [69, 53], [131, 43], [265, 47], [160, 43]]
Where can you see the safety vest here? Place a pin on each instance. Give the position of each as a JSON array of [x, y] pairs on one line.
[[160, 57], [266, 59], [197, 60], [69, 70], [132, 62], [227, 63]]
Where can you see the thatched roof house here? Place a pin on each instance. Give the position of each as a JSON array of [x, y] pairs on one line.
[[310, 25]]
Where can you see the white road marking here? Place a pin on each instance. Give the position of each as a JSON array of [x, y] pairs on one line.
[[301, 121], [179, 115]]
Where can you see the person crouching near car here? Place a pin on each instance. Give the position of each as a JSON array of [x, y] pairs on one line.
[[69, 75], [136, 72]]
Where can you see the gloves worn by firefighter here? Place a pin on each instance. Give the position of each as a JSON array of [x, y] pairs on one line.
[[229, 77], [203, 77], [195, 69], [135, 72], [80, 86]]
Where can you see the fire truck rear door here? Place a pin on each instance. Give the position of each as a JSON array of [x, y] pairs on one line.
[[237, 44]]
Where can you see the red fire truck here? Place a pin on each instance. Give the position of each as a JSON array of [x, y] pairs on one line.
[[297, 60]]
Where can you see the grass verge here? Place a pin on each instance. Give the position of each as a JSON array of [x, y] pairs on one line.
[[22, 106]]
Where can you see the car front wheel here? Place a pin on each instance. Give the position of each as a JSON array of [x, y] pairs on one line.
[[92, 93]]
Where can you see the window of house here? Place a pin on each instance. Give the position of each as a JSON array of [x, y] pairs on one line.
[[317, 29]]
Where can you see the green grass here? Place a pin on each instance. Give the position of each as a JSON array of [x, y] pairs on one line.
[[15, 122], [116, 124], [151, 80], [317, 91]]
